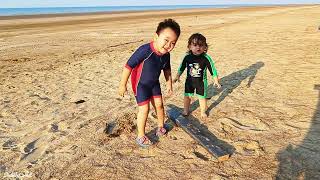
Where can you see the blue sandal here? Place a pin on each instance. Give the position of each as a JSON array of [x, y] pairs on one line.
[[143, 141]]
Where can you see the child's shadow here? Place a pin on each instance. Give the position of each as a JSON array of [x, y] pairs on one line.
[[229, 83]]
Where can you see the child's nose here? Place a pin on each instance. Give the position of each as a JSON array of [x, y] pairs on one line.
[[167, 45]]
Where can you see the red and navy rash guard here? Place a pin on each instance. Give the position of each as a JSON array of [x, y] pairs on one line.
[[145, 65]]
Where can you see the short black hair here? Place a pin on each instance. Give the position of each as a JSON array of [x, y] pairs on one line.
[[169, 23], [198, 39]]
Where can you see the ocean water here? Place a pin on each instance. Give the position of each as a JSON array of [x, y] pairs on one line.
[[59, 10]]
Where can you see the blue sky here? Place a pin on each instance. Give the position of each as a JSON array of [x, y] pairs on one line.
[[77, 3]]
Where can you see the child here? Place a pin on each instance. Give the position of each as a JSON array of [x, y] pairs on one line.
[[145, 66], [197, 61]]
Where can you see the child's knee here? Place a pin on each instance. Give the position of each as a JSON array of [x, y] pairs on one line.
[[143, 109], [159, 106]]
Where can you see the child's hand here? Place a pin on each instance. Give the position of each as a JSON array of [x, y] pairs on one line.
[[216, 84], [122, 90], [176, 79], [169, 92]]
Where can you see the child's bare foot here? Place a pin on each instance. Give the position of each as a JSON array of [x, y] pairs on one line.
[[204, 115]]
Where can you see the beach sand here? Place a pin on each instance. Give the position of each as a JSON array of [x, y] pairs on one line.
[[58, 88]]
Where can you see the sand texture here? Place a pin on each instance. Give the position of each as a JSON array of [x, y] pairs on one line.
[[58, 96]]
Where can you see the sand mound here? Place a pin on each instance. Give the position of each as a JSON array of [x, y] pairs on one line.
[[123, 124]]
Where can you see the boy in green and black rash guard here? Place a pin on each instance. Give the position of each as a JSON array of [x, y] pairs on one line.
[[197, 61]]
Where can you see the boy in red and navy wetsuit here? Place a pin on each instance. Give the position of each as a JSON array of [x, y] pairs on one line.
[[145, 66]]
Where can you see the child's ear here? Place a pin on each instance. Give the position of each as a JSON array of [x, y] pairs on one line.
[[155, 36]]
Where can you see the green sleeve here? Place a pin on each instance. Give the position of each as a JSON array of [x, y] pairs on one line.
[[214, 72], [183, 65]]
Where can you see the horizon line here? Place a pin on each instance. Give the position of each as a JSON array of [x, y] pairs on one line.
[[163, 5]]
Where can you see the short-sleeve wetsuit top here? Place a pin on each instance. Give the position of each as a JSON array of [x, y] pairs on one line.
[[145, 65], [197, 66]]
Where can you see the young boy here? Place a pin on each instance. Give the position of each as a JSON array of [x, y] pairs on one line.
[[145, 66], [197, 61]]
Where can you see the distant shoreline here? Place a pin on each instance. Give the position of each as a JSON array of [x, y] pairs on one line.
[[48, 15], [12, 23]]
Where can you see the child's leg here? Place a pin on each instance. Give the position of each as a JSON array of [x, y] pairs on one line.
[[187, 101], [203, 107], [142, 119], [158, 105], [154, 114]]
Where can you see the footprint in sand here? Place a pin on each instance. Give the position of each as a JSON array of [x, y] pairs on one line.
[[54, 128], [34, 151], [30, 148], [249, 147], [2, 168], [243, 124], [10, 144], [200, 156]]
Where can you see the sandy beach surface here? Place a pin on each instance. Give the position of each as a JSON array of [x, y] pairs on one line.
[[58, 89]]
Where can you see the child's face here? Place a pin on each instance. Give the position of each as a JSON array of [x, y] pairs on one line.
[[196, 48], [165, 41]]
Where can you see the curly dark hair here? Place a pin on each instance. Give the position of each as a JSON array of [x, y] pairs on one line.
[[197, 39], [169, 23]]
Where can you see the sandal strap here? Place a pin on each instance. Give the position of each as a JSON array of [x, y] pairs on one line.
[[143, 139], [163, 130]]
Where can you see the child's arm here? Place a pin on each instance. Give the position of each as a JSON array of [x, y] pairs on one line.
[[123, 82], [177, 78], [136, 58], [216, 82], [168, 77], [213, 71], [181, 68]]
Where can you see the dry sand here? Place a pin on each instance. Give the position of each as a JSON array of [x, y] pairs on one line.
[[58, 89]]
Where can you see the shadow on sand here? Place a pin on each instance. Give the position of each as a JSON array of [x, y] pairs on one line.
[[303, 161], [229, 83]]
